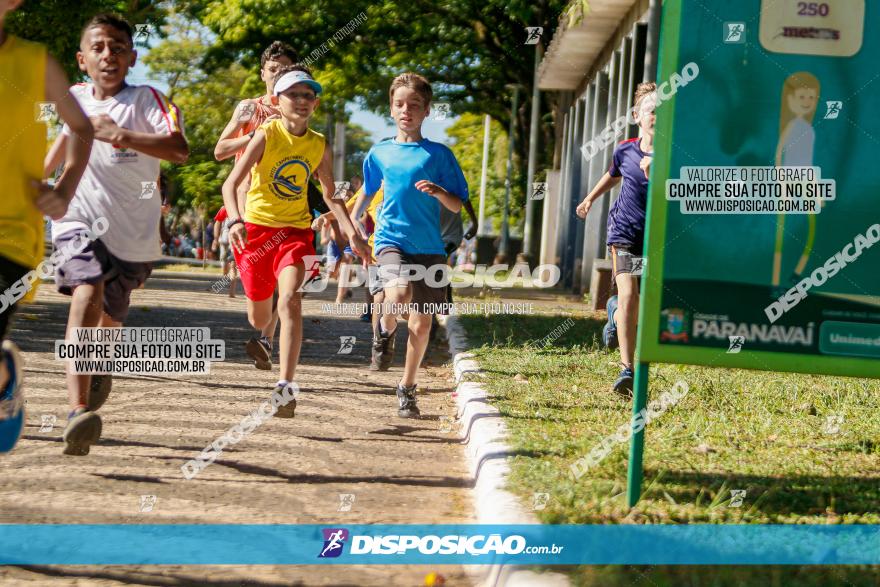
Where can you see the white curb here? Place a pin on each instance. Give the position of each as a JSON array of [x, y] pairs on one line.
[[484, 434]]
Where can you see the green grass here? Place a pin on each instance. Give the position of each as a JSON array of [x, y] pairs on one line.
[[735, 429]]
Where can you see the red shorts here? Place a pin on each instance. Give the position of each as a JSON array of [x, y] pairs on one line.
[[268, 251]]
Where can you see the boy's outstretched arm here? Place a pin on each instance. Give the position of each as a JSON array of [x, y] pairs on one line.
[[319, 222], [55, 156], [475, 225], [326, 217], [340, 212], [169, 147], [606, 182], [53, 201], [228, 145], [361, 203], [252, 154]]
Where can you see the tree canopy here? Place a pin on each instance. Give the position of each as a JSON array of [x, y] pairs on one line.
[[471, 50], [467, 134], [58, 23]]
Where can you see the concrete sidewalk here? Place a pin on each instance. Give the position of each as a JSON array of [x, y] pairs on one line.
[[345, 439]]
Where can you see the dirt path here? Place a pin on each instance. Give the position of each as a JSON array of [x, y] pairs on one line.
[[346, 438]]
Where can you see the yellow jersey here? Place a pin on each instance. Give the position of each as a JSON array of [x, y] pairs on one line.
[[278, 195], [24, 106]]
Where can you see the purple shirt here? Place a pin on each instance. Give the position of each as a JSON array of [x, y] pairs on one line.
[[626, 219]]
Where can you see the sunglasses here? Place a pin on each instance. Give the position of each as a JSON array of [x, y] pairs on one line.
[[307, 96]]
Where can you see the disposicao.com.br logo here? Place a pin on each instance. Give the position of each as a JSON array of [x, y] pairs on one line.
[[452, 544], [334, 540]]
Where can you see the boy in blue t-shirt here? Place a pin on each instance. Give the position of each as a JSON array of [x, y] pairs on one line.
[[419, 177], [626, 231]]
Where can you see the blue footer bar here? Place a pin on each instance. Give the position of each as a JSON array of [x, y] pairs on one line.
[[163, 544]]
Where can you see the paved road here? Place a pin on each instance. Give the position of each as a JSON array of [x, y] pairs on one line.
[[346, 438]]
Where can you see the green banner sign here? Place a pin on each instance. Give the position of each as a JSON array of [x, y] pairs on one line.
[[764, 204]]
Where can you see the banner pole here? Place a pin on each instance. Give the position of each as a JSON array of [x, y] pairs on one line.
[[635, 473]]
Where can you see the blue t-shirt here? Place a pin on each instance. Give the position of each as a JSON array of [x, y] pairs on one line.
[[410, 219], [626, 219]]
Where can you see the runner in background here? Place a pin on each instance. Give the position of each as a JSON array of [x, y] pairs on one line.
[[339, 249], [452, 233], [247, 117], [367, 225], [38, 79], [368, 222], [164, 234], [630, 163], [221, 244]]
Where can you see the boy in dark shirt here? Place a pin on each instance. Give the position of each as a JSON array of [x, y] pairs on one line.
[[626, 230]]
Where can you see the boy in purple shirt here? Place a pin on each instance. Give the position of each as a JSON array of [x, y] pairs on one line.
[[626, 230]]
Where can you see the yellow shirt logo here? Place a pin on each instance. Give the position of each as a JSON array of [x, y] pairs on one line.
[[279, 182], [289, 177]]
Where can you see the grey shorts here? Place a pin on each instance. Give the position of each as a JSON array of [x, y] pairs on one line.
[[624, 261], [390, 260], [96, 264]]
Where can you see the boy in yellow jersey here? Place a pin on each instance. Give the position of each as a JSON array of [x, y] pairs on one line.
[[275, 234], [247, 117], [40, 85]]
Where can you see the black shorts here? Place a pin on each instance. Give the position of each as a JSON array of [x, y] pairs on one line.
[[623, 261], [391, 262], [96, 264], [10, 272]]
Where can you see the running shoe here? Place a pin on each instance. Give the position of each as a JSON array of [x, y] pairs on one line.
[[287, 410], [260, 351], [624, 383], [367, 317], [609, 332], [383, 350], [99, 391], [11, 398], [82, 431], [406, 400]]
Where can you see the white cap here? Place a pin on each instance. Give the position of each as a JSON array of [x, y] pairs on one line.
[[292, 78]]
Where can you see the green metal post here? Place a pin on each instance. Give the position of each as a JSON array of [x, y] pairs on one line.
[[635, 474]]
